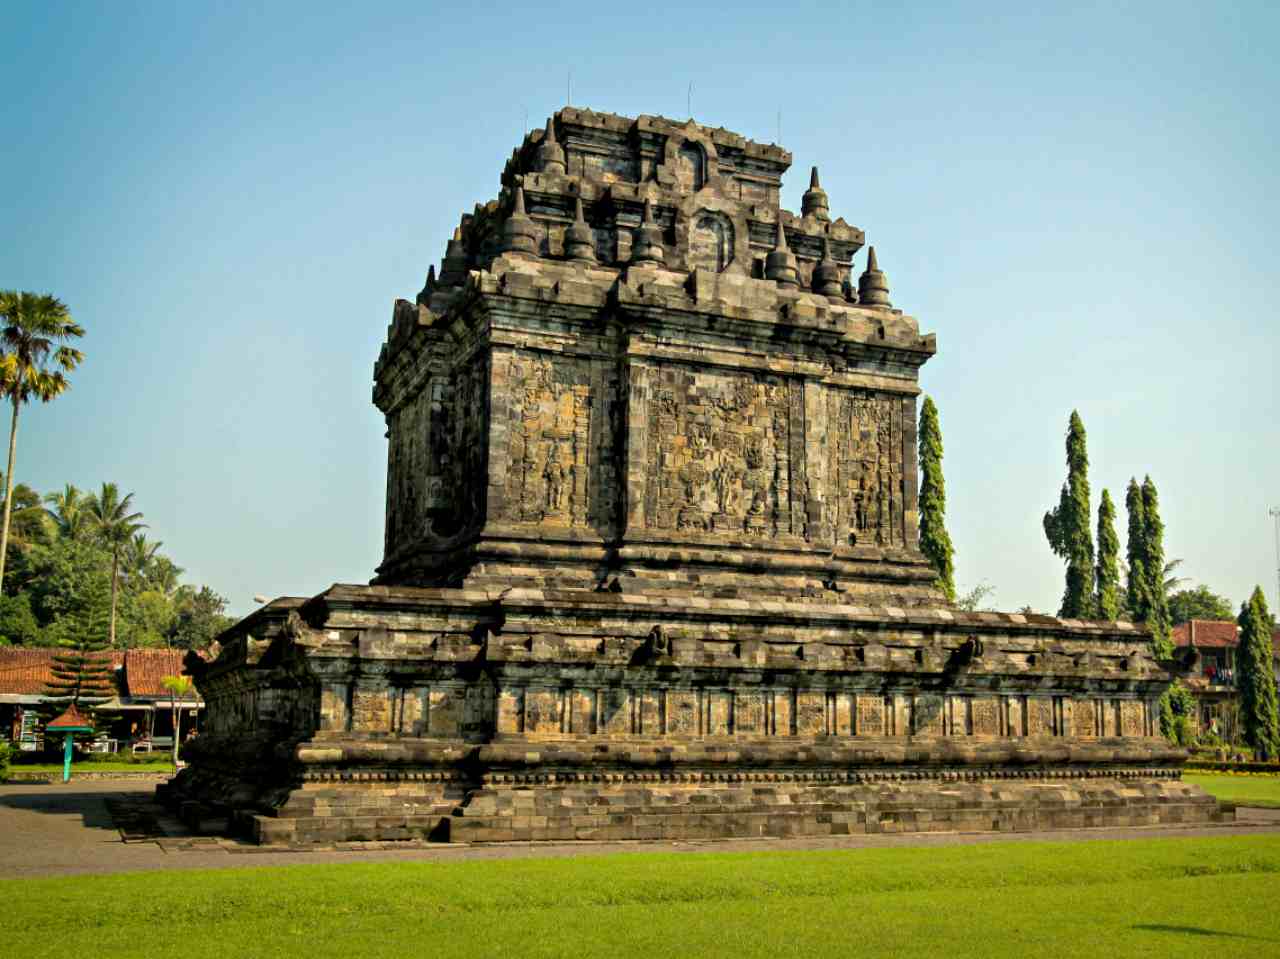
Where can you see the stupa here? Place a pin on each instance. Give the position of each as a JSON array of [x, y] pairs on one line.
[[651, 565]]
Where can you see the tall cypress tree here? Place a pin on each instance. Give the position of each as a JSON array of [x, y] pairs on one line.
[[1107, 574], [935, 541], [1157, 617], [1136, 595], [1067, 527], [1254, 673]]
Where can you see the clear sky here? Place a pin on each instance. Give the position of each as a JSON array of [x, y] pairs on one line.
[[1080, 201]]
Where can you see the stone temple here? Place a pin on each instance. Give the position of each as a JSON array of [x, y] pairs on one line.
[[650, 567]]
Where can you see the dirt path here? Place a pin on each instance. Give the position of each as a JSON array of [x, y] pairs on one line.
[[103, 827]]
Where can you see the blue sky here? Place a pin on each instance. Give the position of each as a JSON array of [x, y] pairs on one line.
[[1079, 202]]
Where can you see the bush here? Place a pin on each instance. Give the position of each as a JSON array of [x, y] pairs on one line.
[[5, 752], [1176, 707]]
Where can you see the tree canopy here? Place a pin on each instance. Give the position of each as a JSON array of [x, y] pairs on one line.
[[1067, 526], [935, 541], [1255, 675], [1198, 603], [62, 574], [1107, 573]]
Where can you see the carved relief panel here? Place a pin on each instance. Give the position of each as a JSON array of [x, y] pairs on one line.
[[436, 460], [865, 468], [719, 453], [561, 430]]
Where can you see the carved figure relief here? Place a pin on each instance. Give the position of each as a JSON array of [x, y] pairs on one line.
[[551, 459], [718, 445], [866, 468]]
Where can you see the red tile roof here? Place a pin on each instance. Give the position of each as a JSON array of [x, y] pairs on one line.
[[70, 719], [1214, 634], [145, 669], [1206, 633], [27, 672]]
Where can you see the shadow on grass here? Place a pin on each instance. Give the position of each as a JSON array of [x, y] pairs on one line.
[[1198, 931]]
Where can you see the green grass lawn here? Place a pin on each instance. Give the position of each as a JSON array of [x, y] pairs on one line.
[[164, 764], [1162, 898], [1244, 790]]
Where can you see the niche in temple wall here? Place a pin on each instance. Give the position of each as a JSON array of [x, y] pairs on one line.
[[711, 242]]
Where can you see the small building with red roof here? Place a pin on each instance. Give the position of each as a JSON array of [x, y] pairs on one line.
[[142, 705], [1213, 684]]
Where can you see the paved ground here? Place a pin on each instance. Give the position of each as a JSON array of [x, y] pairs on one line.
[[100, 827]]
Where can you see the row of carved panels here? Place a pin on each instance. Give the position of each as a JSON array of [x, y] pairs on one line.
[[620, 711], [726, 452]]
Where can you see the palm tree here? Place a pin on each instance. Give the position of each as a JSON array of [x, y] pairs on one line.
[[1170, 583], [115, 525], [68, 511], [164, 575], [34, 361], [142, 555], [179, 688]]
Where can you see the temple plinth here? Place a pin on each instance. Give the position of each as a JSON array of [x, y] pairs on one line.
[[651, 564]]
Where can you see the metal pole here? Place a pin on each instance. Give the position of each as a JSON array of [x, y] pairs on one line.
[[1275, 514], [66, 758]]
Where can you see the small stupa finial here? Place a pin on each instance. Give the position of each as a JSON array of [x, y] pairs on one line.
[[873, 285], [646, 246], [519, 232], [826, 275], [579, 241], [424, 295], [551, 158], [780, 265], [814, 201]]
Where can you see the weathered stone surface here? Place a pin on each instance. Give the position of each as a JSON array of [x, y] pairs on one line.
[[650, 562]]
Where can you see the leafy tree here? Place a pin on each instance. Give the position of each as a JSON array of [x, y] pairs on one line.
[[1136, 594], [1157, 618], [1176, 708], [28, 523], [1107, 574], [34, 362], [115, 524], [201, 616], [57, 577], [180, 688], [1256, 677], [935, 541], [147, 618], [1199, 603], [1067, 526], [17, 622]]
